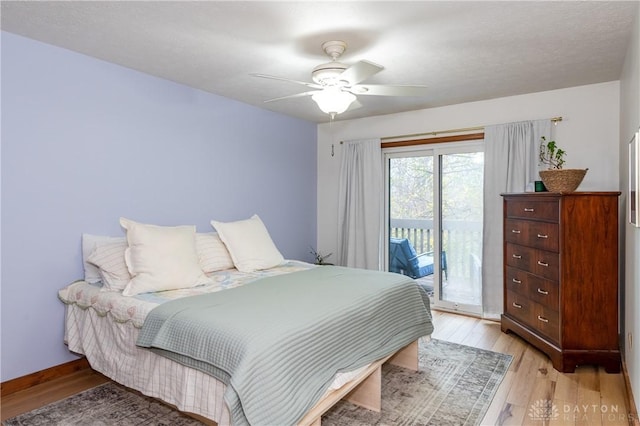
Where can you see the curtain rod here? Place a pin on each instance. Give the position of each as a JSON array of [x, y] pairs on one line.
[[555, 120]]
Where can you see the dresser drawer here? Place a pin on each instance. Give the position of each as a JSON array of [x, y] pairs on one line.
[[544, 292], [541, 235], [539, 262], [546, 321], [538, 318], [519, 307], [517, 281], [544, 210]]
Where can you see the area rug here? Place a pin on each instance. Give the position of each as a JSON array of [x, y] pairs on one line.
[[455, 386]]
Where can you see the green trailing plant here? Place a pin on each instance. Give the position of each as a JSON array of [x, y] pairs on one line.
[[319, 257], [551, 155]]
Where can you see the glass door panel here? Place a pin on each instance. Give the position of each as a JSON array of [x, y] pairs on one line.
[[411, 217], [434, 211], [461, 227]]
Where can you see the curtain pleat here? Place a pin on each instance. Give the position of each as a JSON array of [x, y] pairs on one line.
[[360, 209], [510, 165]]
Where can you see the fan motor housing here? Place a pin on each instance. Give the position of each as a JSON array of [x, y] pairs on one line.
[[329, 74]]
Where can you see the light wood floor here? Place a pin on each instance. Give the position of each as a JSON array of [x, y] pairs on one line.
[[587, 397]]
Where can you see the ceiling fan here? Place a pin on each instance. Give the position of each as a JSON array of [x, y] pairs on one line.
[[336, 84]]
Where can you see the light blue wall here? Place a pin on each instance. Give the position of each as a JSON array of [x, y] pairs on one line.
[[85, 142]]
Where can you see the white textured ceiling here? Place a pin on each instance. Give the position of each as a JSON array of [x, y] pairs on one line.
[[464, 51]]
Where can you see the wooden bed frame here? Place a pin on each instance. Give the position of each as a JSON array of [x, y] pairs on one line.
[[365, 390]]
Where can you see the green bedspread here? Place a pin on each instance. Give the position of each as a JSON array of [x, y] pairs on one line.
[[277, 342]]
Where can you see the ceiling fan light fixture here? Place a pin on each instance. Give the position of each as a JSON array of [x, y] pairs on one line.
[[337, 85], [333, 100]]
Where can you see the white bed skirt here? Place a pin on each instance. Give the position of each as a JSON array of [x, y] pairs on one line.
[[110, 348]]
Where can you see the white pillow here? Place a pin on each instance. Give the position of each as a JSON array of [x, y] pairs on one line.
[[109, 258], [161, 258], [249, 244], [89, 244], [212, 253]]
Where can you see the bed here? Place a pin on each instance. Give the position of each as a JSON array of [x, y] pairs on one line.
[[109, 329]]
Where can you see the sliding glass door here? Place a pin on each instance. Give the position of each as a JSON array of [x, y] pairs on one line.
[[434, 220]]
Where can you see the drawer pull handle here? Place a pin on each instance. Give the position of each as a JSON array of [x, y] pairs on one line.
[[541, 263], [542, 236], [542, 319], [528, 209], [515, 231], [541, 291], [516, 256], [515, 305], [516, 281]]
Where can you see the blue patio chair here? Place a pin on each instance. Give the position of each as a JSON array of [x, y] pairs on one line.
[[403, 259]]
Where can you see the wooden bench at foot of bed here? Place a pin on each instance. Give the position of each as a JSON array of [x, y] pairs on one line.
[[366, 389]]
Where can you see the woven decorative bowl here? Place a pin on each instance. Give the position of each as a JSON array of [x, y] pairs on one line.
[[562, 180]]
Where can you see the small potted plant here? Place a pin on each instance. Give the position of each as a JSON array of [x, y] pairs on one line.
[[550, 154], [319, 257], [555, 178]]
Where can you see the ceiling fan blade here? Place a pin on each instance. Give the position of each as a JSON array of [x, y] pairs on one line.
[[297, 95], [386, 90], [354, 105], [359, 71], [273, 77]]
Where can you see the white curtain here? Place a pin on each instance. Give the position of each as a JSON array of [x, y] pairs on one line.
[[510, 165], [360, 209]]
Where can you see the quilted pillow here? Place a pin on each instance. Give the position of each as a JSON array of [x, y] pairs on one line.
[[161, 258], [212, 253], [249, 244], [109, 258]]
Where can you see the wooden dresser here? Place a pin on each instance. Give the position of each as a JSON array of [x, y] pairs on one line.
[[561, 275]]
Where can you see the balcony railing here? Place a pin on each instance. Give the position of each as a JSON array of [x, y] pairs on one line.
[[461, 239]]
